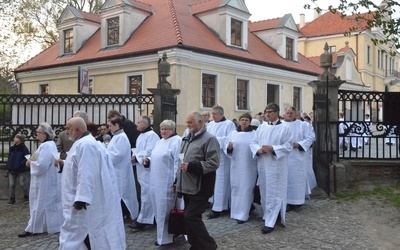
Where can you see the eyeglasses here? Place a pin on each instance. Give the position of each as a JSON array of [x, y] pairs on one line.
[[269, 112]]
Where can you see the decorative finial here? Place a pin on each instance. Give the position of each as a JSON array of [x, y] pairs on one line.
[[326, 58]]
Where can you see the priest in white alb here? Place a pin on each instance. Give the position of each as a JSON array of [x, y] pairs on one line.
[[91, 202], [271, 146]]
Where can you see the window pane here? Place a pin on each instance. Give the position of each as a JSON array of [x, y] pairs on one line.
[[135, 85], [236, 32], [208, 90], [44, 89], [113, 31], [242, 91], [68, 41], [297, 98], [289, 48]]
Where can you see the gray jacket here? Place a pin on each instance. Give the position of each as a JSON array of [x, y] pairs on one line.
[[202, 154]]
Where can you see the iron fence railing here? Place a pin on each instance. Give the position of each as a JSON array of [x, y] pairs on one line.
[[23, 113]]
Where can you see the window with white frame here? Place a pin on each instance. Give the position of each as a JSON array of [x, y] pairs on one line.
[[113, 31], [332, 49], [68, 41], [297, 98], [208, 90], [135, 84], [242, 93], [236, 32]]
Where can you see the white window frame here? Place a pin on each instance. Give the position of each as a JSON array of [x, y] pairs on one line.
[[280, 88], [217, 78], [127, 84], [301, 97], [248, 93]]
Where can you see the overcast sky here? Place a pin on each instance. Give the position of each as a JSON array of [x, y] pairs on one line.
[[267, 9]]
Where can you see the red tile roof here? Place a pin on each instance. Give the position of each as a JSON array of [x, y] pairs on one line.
[[332, 24], [89, 16], [205, 5], [264, 24], [171, 25]]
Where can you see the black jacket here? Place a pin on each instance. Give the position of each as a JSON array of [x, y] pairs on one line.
[[16, 158]]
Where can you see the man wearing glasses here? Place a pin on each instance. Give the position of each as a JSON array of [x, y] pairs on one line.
[[270, 146], [104, 130]]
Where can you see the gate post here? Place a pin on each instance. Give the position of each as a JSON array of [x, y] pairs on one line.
[[325, 110], [164, 96]]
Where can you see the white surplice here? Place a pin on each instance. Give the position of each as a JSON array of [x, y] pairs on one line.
[[45, 192], [144, 146], [88, 176], [119, 150], [164, 164], [243, 174], [222, 190], [311, 180], [298, 161], [272, 169]]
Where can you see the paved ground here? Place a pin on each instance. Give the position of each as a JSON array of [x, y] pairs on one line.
[[323, 223]]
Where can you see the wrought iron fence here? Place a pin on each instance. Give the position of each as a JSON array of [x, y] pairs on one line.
[[374, 137], [23, 113]]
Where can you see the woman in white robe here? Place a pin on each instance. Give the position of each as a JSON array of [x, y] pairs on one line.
[[119, 151], [164, 162], [45, 188], [243, 174]]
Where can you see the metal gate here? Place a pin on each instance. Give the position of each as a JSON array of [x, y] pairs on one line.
[[23, 113]]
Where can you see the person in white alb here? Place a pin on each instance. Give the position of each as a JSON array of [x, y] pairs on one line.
[[302, 139], [145, 144], [90, 198], [220, 127], [270, 146]]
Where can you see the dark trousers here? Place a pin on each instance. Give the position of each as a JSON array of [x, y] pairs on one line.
[[197, 233]]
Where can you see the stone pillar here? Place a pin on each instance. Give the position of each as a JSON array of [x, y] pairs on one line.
[[325, 124], [164, 96]]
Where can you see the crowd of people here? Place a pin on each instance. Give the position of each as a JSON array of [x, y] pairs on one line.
[[85, 184]]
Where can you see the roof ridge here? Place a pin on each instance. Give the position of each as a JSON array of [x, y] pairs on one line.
[[178, 32], [259, 21], [201, 2]]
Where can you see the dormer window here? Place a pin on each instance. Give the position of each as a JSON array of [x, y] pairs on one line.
[[68, 41], [289, 48], [113, 31], [236, 32]]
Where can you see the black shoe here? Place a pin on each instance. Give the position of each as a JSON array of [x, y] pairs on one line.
[[137, 226], [267, 230], [24, 234], [11, 202], [241, 221], [156, 243], [213, 214]]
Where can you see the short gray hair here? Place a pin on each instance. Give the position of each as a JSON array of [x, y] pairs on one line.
[[168, 123], [47, 130], [81, 114], [146, 120], [219, 109]]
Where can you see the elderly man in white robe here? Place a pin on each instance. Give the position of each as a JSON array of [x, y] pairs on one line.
[[145, 144], [163, 163], [271, 145], [91, 202], [243, 169], [119, 150], [302, 139], [220, 127]]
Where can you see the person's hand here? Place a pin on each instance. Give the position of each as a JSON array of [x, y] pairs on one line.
[[184, 166], [78, 205], [296, 145], [133, 159], [230, 145], [28, 163]]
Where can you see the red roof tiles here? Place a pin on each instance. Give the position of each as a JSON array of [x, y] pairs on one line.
[[171, 25]]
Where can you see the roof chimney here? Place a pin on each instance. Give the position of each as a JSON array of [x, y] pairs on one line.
[[317, 12], [302, 20]]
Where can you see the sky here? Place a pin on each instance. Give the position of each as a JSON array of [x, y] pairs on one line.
[[267, 9]]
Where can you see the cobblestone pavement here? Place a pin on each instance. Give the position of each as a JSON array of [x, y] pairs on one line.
[[322, 223]]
